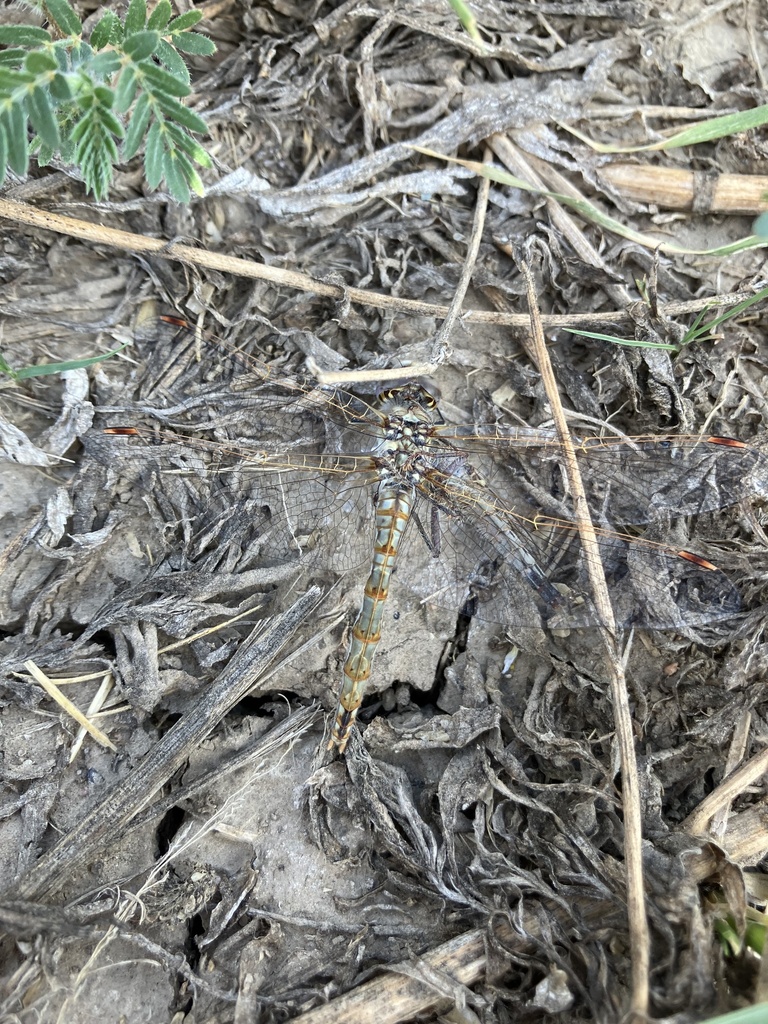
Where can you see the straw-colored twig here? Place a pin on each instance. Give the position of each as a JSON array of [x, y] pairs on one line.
[[21, 213], [440, 343], [677, 189], [638, 926], [731, 787], [66, 704], [97, 703]]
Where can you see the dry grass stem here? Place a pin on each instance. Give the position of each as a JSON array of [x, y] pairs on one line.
[[724, 794], [20, 213], [66, 704], [639, 935], [678, 189], [440, 342]]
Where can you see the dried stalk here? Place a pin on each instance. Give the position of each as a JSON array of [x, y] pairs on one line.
[[21, 213], [677, 189], [639, 937]]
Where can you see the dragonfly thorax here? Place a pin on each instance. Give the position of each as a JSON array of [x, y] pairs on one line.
[[410, 403]]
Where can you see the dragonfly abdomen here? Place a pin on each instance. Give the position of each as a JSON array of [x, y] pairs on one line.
[[393, 510]]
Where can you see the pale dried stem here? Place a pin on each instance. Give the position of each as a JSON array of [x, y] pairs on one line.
[[677, 189], [736, 752], [440, 343], [731, 787], [542, 175], [66, 705], [639, 937], [21, 213]]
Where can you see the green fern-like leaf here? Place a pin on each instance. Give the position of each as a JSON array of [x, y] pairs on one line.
[[15, 124], [183, 115], [192, 42], [42, 117], [136, 17], [107, 31], [153, 156], [84, 96], [140, 45], [137, 126], [63, 17], [173, 173], [173, 61], [160, 16], [23, 35]]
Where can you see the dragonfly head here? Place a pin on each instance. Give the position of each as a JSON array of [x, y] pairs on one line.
[[411, 401]]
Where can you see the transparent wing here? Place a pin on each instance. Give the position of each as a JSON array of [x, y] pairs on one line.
[[290, 469], [634, 479], [521, 566]]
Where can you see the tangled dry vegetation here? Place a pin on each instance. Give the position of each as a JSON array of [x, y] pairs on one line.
[[203, 858]]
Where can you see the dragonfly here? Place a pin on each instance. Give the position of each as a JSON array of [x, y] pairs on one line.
[[337, 478]]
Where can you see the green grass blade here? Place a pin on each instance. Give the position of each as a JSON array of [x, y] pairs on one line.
[[46, 369]]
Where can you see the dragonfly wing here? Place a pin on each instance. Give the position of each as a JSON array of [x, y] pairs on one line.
[[314, 507], [522, 568], [639, 480]]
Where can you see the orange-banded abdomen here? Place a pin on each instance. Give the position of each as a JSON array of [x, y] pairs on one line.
[[393, 511]]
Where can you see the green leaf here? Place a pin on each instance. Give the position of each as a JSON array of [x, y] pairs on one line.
[[187, 144], [80, 128], [44, 156], [3, 154], [177, 183], [191, 176], [80, 53], [104, 95], [141, 45], [15, 125], [23, 35], [60, 89], [44, 369], [196, 183], [110, 148], [153, 156], [193, 42], [63, 17], [160, 17], [40, 62], [62, 51], [42, 117], [13, 56], [173, 61], [161, 81], [184, 21], [111, 124], [103, 64], [183, 115], [125, 92], [628, 342], [135, 18], [12, 80], [93, 155], [136, 127], [106, 31]]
